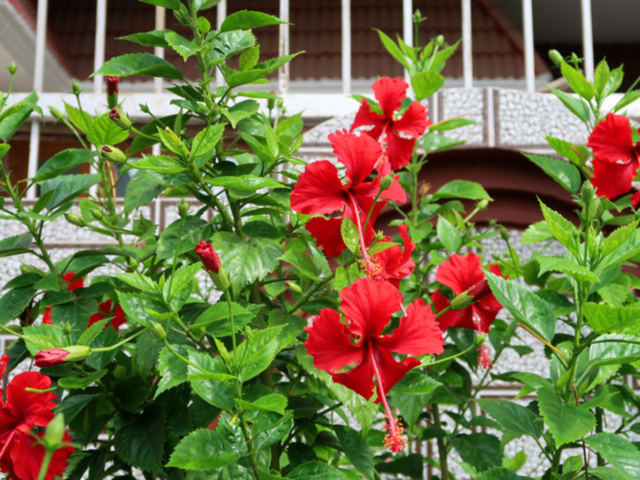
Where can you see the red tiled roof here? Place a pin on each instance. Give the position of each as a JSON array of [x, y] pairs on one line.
[[497, 44]]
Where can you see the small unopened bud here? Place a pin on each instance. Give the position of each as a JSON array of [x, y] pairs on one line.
[[120, 119], [54, 433], [29, 269], [59, 356], [461, 301], [144, 108], [386, 182], [423, 189], [13, 68], [271, 101], [75, 87], [587, 192], [439, 41], [56, 113], [483, 204], [480, 291], [183, 208], [113, 85], [120, 373], [114, 155], [96, 213], [75, 219], [294, 286], [504, 233], [211, 262], [158, 331], [555, 57], [575, 59], [417, 17], [67, 328], [214, 110], [133, 263]]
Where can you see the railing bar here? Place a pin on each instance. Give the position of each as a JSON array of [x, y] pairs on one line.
[[407, 27], [529, 65], [346, 47], [159, 51], [283, 48], [587, 39], [467, 47], [38, 85], [101, 35], [221, 14]]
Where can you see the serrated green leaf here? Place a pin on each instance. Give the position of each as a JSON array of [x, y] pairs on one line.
[[512, 416], [315, 471], [623, 455], [606, 319], [613, 349], [462, 189], [567, 423], [569, 268], [144, 64], [356, 449], [426, 83], [141, 443], [393, 49], [274, 402], [561, 228], [576, 105], [449, 235], [246, 19], [203, 450], [258, 351], [63, 161], [565, 174]]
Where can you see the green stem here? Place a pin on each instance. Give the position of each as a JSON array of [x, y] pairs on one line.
[[119, 344], [184, 359], [233, 328], [459, 354], [442, 450], [48, 455], [303, 299]]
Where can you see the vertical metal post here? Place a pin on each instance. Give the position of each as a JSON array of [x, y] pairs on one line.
[[159, 51], [284, 71], [221, 14], [407, 26], [38, 85], [346, 47], [587, 39], [101, 34], [467, 47], [529, 65]]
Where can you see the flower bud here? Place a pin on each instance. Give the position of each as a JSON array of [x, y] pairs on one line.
[[144, 108], [386, 182], [133, 263], [212, 264], [439, 41], [504, 233], [587, 192], [417, 17], [461, 301], [555, 57], [480, 291], [294, 286], [423, 189], [120, 119], [75, 87], [183, 208], [271, 102], [75, 219], [67, 329], [30, 269], [96, 213], [13, 68], [54, 433], [483, 204], [113, 84], [56, 113], [114, 155], [158, 331], [60, 356]]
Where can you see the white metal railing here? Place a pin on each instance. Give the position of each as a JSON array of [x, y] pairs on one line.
[[314, 104]]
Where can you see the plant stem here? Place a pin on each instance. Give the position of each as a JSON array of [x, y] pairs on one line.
[[442, 450], [48, 455]]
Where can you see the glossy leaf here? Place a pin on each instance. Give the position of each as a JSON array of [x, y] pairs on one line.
[[141, 443], [567, 423], [565, 174], [623, 455], [139, 64]]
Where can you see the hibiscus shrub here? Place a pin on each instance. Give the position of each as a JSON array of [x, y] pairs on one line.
[[273, 330]]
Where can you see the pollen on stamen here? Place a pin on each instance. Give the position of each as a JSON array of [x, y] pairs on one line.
[[394, 440], [484, 358], [370, 267]]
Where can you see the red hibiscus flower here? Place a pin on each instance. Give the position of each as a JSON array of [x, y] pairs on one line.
[[105, 311], [368, 306], [24, 460], [395, 264], [461, 273], [67, 277], [616, 158], [320, 191], [390, 93]]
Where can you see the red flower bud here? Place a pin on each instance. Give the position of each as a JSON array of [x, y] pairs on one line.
[[208, 256], [480, 291], [112, 85], [114, 113], [51, 358]]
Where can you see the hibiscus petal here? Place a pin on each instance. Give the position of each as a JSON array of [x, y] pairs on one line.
[[611, 140], [359, 378], [635, 198], [359, 153], [27, 456], [392, 371], [328, 234], [613, 179], [397, 264], [417, 334], [46, 318], [365, 117], [460, 272], [369, 305], [79, 283], [34, 408], [329, 342], [399, 150], [413, 122], [447, 319], [389, 93], [485, 312], [318, 190], [395, 192]]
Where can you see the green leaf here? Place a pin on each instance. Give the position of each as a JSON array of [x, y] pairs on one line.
[[416, 382], [524, 305], [207, 139], [555, 264], [247, 183], [434, 142], [566, 422], [500, 473], [14, 302], [612, 349], [449, 235], [246, 260], [451, 124], [240, 111], [350, 235], [259, 71], [577, 81], [229, 44], [15, 245], [151, 129], [193, 230], [627, 99], [623, 455], [606, 319], [141, 443], [537, 232], [71, 406], [480, 450], [562, 229], [512, 416], [172, 4], [249, 58], [393, 49], [63, 161], [426, 83], [184, 47], [565, 174], [575, 105], [314, 267], [104, 131], [601, 77], [203, 450], [160, 163], [81, 382], [136, 306], [154, 38], [173, 371], [216, 319], [15, 116], [315, 471], [274, 402], [182, 278], [213, 390], [462, 189], [139, 64], [258, 351], [140, 190], [356, 449], [618, 237], [92, 332], [293, 326], [246, 19], [67, 187]]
